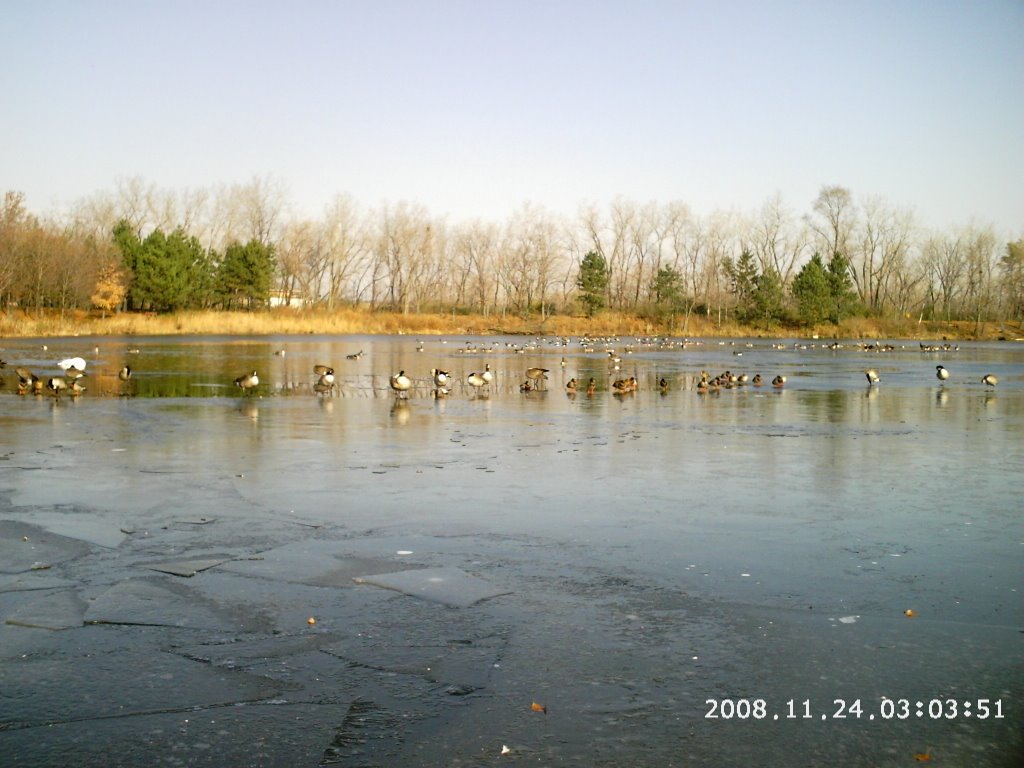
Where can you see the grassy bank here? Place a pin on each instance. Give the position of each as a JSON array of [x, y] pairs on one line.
[[17, 323]]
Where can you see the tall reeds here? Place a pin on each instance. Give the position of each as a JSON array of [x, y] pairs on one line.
[[18, 323]]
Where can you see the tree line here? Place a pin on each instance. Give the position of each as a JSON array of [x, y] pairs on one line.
[[143, 248]]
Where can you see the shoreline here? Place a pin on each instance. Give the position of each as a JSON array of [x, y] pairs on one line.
[[303, 322]]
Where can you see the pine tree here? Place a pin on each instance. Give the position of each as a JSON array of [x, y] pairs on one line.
[[593, 282], [844, 297], [742, 276], [812, 292], [768, 296]]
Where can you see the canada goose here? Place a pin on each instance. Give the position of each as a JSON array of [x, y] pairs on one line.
[[941, 373], [76, 387], [326, 380], [401, 384], [872, 376], [663, 385], [537, 376], [756, 381], [571, 386], [354, 355], [591, 387], [247, 382], [125, 373], [526, 386], [325, 384], [487, 375], [279, 352], [441, 378], [56, 384], [476, 381], [779, 382], [26, 380], [989, 379], [3, 363], [73, 373]]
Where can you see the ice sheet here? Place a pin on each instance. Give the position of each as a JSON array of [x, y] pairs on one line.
[[450, 586]]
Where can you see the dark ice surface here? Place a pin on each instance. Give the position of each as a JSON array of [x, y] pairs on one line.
[[194, 576]]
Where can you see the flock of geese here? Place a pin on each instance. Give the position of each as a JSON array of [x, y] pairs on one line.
[[70, 382], [73, 368], [941, 373]]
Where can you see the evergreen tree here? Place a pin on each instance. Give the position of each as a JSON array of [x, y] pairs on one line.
[[128, 243], [812, 292], [844, 297], [171, 272], [593, 282], [245, 275], [667, 288], [742, 276], [164, 272], [768, 296]]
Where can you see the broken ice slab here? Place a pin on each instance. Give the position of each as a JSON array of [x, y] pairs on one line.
[[25, 547], [449, 586], [33, 580], [86, 526], [38, 691], [316, 563], [62, 609], [171, 604]]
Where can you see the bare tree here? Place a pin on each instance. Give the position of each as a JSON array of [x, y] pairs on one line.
[[14, 220], [348, 246], [776, 239], [981, 258], [944, 262], [833, 222], [302, 261], [528, 256], [645, 244], [1011, 270], [881, 245], [251, 211], [690, 249], [404, 244], [95, 216], [475, 258]]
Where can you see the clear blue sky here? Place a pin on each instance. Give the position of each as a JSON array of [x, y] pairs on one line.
[[474, 107]]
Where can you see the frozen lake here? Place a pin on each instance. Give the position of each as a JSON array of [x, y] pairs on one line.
[[652, 555]]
